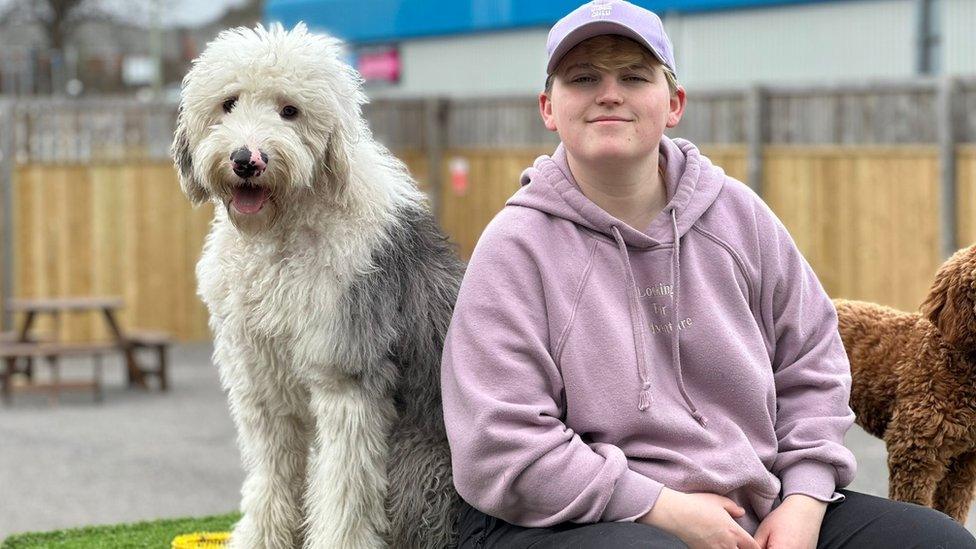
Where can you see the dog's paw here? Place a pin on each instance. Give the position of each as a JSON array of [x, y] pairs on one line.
[[248, 534], [359, 538]]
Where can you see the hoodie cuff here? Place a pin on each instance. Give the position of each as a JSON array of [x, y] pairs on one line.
[[632, 497], [811, 478]]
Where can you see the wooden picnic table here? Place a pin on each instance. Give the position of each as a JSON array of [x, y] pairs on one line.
[[108, 305]]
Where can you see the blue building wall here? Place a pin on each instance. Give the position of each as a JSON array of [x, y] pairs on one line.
[[367, 21]]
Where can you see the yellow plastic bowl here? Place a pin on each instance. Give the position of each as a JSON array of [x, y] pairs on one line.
[[201, 540]]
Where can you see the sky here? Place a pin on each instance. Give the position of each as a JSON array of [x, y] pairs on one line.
[[181, 12], [173, 12]]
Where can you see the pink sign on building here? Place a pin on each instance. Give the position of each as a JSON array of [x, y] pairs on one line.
[[380, 65]]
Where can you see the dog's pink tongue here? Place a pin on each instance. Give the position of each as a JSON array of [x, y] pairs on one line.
[[250, 199]]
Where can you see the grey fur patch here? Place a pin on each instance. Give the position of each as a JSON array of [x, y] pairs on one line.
[[398, 317]]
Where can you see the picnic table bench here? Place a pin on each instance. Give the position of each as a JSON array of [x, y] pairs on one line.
[[52, 352], [24, 346]]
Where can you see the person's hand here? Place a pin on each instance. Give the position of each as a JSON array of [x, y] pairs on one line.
[[794, 524], [700, 520]]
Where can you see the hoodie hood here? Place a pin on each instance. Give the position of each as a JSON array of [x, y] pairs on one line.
[[549, 186], [691, 186]]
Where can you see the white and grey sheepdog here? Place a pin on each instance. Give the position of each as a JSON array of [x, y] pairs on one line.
[[329, 288]]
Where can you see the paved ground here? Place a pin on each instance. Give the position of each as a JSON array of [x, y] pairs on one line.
[[136, 456], [141, 456]]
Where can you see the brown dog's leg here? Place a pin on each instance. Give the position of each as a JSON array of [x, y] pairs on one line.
[[913, 474], [955, 491]]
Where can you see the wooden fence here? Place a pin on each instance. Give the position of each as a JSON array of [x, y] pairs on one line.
[[110, 229], [866, 218], [871, 182]]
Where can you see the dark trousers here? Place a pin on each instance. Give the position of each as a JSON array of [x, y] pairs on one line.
[[860, 521]]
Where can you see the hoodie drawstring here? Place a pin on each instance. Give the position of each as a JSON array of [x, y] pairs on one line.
[[675, 338], [637, 322]]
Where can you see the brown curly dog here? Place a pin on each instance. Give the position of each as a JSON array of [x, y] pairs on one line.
[[914, 385]]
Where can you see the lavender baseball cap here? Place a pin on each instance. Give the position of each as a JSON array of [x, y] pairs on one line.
[[609, 17]]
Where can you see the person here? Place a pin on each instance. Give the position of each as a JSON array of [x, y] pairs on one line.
[[639, 355]]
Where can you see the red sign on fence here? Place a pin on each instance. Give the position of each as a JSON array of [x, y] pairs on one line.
[[459, 175]]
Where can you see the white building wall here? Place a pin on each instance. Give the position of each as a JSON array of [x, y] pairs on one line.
[[492, 64], [817, 42], [958, 24]]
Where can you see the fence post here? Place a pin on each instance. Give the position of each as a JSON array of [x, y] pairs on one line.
[[435, 122], [755, 136], [947, 97], [8, 157]]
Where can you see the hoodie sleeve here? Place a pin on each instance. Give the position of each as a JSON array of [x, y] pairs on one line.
[[810, 370], [512, 455]]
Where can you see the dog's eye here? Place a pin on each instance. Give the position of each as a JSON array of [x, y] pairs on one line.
[[229, 104], [289, 112]]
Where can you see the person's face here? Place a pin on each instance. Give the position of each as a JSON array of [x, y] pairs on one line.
[[610, 115]]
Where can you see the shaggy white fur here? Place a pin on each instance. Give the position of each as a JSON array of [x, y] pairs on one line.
[[287, 244]]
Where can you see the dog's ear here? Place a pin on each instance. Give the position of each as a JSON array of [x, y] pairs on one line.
[[349, 127], [338, 157], [184, 162], [937, 299], [950, 303]]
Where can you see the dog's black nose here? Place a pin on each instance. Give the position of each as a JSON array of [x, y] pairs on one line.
[[248, 163]]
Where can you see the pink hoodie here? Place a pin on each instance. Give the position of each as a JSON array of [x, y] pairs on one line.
[[588, 364]]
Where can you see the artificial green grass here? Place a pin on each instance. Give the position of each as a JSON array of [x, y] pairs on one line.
[[157, 534]]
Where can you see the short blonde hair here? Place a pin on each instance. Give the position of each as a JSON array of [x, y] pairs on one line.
[[612, 52]]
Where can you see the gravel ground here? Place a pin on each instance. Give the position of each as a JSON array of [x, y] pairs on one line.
[[144, 456]]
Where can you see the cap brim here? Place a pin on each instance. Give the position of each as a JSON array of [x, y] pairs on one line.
[[596, 28]]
